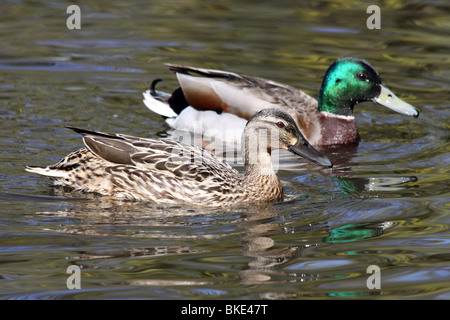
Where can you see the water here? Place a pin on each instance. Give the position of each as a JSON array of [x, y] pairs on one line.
[[386, 204]]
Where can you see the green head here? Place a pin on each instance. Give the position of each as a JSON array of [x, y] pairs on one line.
[[349, 81]]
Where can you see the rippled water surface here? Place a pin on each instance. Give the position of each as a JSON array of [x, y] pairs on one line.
[[386, 203]]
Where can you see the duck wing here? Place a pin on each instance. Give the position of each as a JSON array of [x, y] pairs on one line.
[[238, 94], [168, 158]]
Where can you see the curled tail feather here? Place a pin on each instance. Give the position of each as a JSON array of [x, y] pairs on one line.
[[157, 101]]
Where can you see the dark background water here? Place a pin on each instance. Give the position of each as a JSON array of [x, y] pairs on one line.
[[388, 206]]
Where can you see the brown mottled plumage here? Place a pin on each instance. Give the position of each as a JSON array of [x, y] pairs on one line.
[[132, 168]]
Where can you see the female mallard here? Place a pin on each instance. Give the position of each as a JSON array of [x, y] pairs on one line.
[[328, 121], [132, 168]]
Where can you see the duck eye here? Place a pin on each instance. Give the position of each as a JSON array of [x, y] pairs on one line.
[[362, 76], [280, 124]]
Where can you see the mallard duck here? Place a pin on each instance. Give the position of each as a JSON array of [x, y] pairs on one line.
[[166, 171], [328, 121]]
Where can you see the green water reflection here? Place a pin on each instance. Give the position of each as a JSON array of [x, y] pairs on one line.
[[356, 232]]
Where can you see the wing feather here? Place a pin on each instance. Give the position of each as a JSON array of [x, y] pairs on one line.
[[239, 94], [160, 157]]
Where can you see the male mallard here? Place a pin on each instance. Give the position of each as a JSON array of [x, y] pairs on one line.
[[132, 168], [328, 121]]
